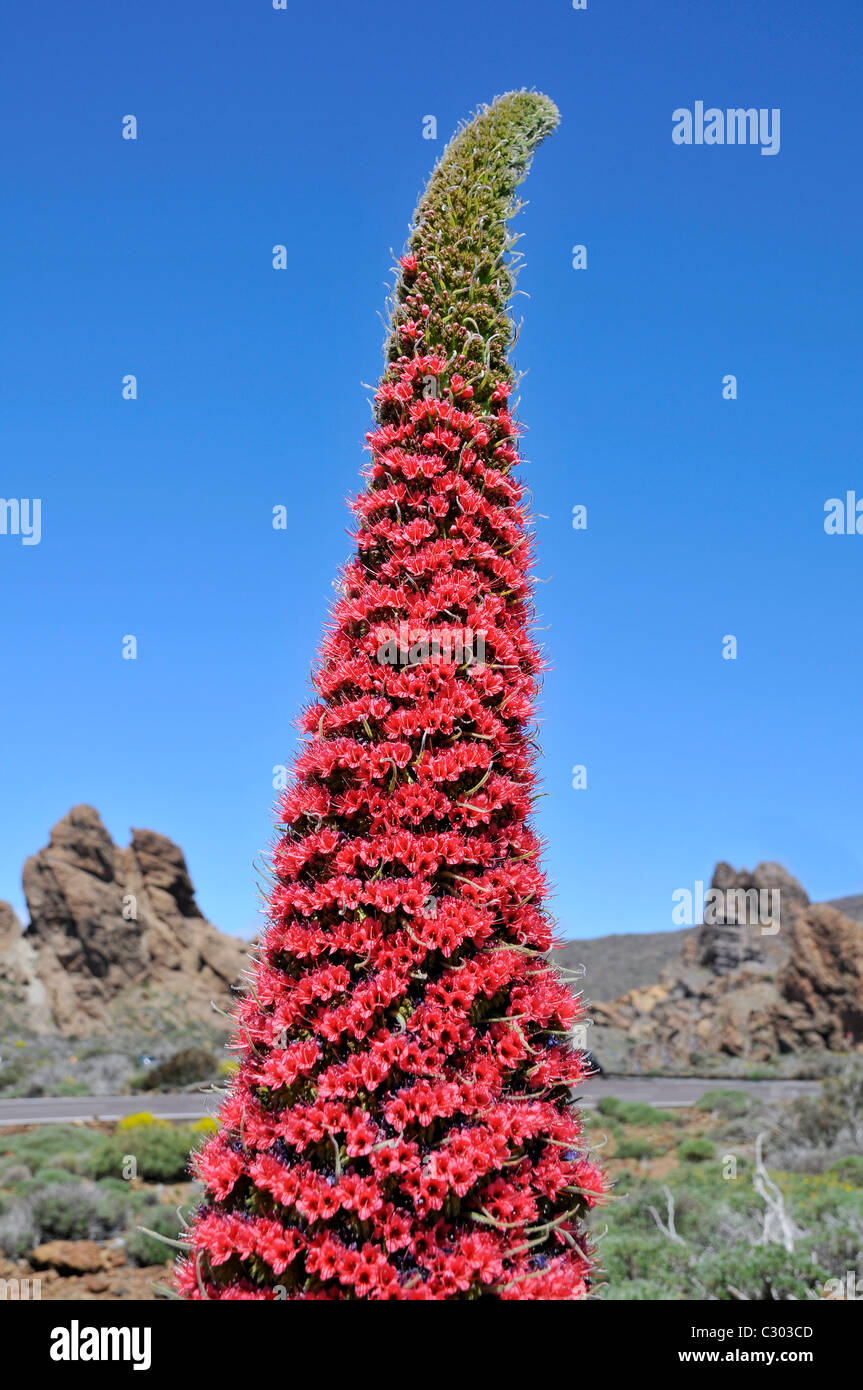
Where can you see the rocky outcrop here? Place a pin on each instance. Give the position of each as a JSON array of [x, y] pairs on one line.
[[109, 929], [787, 978], [822, 982], [747, 917], [69, 1256]]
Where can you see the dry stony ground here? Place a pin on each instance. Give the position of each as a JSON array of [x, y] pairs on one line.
[[114, 1281]]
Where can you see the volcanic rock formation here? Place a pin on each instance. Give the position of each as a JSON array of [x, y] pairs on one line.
[[109, 928], [769, 973]]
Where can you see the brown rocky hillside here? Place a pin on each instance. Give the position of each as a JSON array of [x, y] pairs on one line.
[[729, 991]]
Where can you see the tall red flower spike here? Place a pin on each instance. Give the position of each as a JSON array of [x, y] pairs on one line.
[[401, 1124]]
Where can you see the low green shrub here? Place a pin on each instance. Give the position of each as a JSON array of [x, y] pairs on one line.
[[47, 1177], [730, 1105], [18, 1231], [114, 1185], [652, 1267], [13, 1074], [633, 1112], [637, 1148], [186, 1066], [12, 1173], [760, 1273], [609, 1105], [49, 1145], [632, 1257], [77, 1211], [848, 1169], [639, 1291], [638, 1112], [833, 1115], [696, 1150], [143, 1248], [161, 1154]]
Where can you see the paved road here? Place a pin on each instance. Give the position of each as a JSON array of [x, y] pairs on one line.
[[668, 1091], [661, 1091], [53, 1110]]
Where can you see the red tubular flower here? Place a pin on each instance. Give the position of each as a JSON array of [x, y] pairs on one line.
[[401, 1123]]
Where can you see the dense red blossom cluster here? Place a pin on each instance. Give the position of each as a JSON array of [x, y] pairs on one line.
[[401, 1125]]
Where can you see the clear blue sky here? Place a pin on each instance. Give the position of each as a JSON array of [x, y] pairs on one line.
[[304, 127]]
